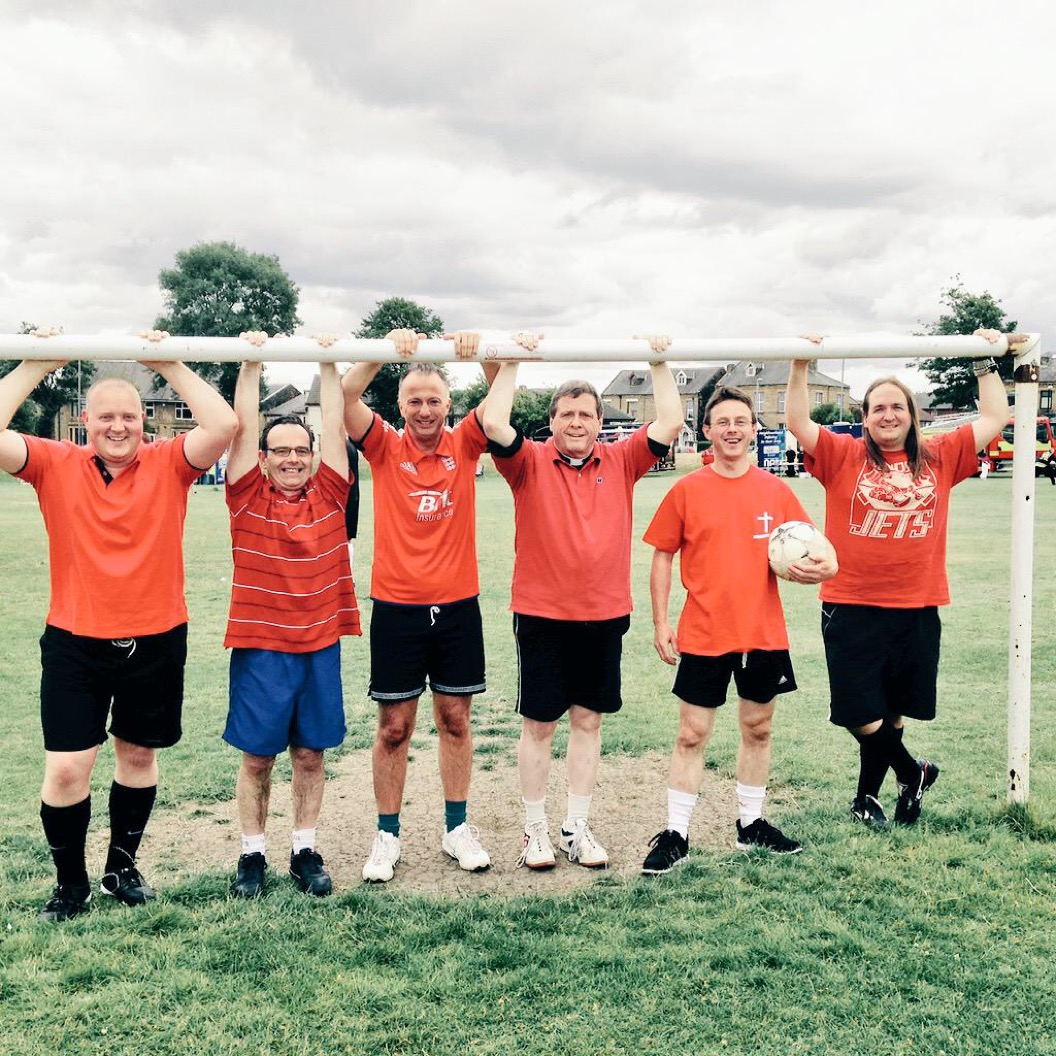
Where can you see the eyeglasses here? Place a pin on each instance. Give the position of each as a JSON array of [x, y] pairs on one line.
[[285, 452]]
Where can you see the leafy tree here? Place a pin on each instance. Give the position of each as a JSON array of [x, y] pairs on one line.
[[464, 400], [531, 410], [394, 313], [218, 289], [827, 413], [953, 379], [37, 414]]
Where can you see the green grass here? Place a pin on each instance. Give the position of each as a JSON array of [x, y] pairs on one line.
[[936, 939]]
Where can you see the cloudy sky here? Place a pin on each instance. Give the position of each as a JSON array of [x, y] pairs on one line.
[[590, 169]]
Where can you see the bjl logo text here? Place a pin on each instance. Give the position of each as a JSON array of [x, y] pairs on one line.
[[433, 505]]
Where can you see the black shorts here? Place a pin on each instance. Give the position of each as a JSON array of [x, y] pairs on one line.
[[138, 681], [881, 662], [566, 662], [759, 676], [412, 643]]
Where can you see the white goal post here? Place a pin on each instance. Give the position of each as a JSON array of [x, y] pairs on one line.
[[718, 350]]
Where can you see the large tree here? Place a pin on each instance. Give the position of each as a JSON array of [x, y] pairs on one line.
[[394, 313], [218, 289], [954, 382], [37, 415]]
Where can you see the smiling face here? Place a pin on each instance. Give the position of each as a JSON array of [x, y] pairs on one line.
[[113, 419], [887, 417], [287, 470], [575, 425], [731, 430], [425, 403]]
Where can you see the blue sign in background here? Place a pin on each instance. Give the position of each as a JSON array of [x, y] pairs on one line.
[[770, 449]]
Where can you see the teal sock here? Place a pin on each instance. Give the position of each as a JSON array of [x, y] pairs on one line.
[[389, 823], [454, 813]]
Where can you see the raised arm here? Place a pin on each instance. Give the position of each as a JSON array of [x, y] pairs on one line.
[[797, 407], [332, 448], [217, 422], [356, 381], [664, 638], [993, 399], [669, 415], [243, 455], [495, 419], [14, 389]]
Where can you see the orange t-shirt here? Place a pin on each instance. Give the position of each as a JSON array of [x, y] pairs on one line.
[[720, 527], [573, 543], [425, 519], [889, 530], [116, 550]]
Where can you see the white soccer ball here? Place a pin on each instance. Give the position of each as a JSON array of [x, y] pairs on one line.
[[793, 541]]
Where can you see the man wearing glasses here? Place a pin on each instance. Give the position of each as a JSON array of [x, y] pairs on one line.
[[292, 598]]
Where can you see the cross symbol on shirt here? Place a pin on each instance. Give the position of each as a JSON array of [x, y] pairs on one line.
[[766, 518]]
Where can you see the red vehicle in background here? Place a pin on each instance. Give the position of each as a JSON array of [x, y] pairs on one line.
[[999, 451]]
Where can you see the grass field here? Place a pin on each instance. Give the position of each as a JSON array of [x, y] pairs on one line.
[[936, 939]]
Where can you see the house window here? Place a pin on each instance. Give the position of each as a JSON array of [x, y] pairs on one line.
[[681, 378], [76, 434], [780, 403], [819, 398], [632, 408], [691, 410], [750, 370], [183, 413], [1046, 400], [150, 410], [758, 401]]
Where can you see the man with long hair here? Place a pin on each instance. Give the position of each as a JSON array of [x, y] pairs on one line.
[[886, 509]]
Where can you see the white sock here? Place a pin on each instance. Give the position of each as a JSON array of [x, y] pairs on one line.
[[303, 838], [252, 844], [578, 810], [534, 812], [680, 810], [750, 803]]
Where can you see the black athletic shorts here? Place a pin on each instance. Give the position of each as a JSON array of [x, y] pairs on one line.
[[881, 662], [412, 643], [759, 676], [138, 681], [566, 662]]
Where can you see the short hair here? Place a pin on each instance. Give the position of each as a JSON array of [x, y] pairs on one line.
[[574, 389], [917, 451], [728, 392], [104, 382], [425, 369], [286, 419]]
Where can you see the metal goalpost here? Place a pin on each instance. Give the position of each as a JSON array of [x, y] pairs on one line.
[[720, 350]]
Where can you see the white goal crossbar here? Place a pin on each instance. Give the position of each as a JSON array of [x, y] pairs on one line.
[[718, 350]]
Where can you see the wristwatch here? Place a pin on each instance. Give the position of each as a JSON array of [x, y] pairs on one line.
[[981, 367]]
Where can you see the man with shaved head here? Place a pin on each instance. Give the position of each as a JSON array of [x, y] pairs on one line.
[[115, 639]]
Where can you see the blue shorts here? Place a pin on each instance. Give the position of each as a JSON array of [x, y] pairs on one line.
[[276, 700]]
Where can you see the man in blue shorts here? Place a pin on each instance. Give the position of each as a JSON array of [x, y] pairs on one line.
[[292, 598]]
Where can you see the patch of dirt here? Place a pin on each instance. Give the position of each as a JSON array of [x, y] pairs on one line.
[[629, 807]]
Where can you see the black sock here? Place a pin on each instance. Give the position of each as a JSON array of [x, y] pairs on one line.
[[906, 768], [66, 830], [873, 763], [129, 812]]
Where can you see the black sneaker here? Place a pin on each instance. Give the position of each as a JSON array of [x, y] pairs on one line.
[[907, 809], [668, 849], [127, 886], [306, 867], [67, 900], [868, 811], [762, 835], [249, 879]]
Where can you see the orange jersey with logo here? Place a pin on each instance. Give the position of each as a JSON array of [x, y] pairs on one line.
[[116, 550], [573, 542], [720, 527], [425, 518], [889, 530]]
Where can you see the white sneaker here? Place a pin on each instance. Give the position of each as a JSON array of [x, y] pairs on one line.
[[462, 844], [581, 846], [538, 851], [380, 867]]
